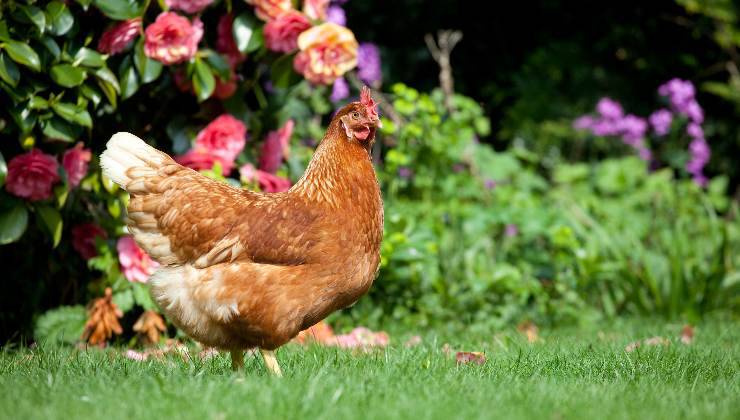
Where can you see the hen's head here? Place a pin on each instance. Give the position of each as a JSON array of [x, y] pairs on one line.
[[360, 119]]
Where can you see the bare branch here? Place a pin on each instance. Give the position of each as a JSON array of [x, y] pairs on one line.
[[441, 51]]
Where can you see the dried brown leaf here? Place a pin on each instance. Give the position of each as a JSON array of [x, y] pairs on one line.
[[149, 326], [102, 320], [687, 334], [530, 330], [465, 357]]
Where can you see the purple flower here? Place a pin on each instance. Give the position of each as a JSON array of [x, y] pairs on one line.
[[489, 184], [458, 167], [605, 127], [661, 121], [609, 108], [583, 122], [633, 128], [511, 230], [679, 92], [645, 153], [700, 153], [340, 90], [695, 131], [405, 172], [368, 63], [694, 112], [335, 14]]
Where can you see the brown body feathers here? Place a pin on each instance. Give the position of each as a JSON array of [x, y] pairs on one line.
[[243, 269]]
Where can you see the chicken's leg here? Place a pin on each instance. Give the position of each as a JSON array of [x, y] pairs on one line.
[[237, 360], [271, 362]]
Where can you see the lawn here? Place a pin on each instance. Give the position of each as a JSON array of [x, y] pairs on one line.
[[568, 373]]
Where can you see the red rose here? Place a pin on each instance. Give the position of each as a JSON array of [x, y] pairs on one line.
[[225, 89], [267, 181], [75, 162], [83, 239], [31, 175], [275, 148], [172, 38], [201, 160], [281, 34], [225, 43], [117, 38], [224, 137]]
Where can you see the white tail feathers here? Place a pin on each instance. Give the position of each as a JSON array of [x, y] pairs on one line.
[[123, 153]]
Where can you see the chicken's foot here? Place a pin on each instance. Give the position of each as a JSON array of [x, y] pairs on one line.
[[237, 360], [271, 362]]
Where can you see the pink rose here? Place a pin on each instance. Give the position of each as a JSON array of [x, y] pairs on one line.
[[31, 175], [315, 9], [136, 265], [225, 43], [224, 137], [75, 162], [118, 38], [188, 6], [203, 160], [268, 10], [268, 182], [281, 34], [83, 239], [275, 148], [327, 52], [172, 38]]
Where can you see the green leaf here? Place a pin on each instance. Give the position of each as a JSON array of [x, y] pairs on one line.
[[13, 222], [282, 72], [61, 325], [52, 46], [142, 296], [122, 9], [67, 75], [9, 71], [109, 92], [149, 69], [3, 170], [51, 220], [106, 75], [61, 192], [203, 81], [92, 93], [247, 31], [35, 16], [72, 113], [56, 128], [124, 300], [59, 18], [219, 64], [89, 58], [38, 103], [22, 53], [129, 78], [4, 35]]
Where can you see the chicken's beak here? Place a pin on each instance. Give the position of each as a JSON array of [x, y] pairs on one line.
[[378, 123]]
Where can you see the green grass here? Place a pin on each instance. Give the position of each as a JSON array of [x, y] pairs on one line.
[[569, 374]]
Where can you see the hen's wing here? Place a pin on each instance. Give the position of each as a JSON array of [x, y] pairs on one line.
[[179, 216]]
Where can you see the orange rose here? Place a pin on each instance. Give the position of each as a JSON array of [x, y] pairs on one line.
[[268, 10], [327, 51]]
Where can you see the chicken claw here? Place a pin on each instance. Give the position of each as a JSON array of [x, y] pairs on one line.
[[271, 362]]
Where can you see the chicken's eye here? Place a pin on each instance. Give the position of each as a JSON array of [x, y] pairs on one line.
[[355, 115]]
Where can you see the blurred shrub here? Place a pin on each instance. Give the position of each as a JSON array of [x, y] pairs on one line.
[[476, 237]]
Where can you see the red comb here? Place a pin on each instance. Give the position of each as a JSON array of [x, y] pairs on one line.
[[368, 101]]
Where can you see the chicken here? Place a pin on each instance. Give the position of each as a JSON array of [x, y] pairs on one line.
[[242, 269]]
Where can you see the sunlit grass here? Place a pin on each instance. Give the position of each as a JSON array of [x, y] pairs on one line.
[[569, 373]]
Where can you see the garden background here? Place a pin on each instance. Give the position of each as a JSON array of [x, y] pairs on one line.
[[576, 162]]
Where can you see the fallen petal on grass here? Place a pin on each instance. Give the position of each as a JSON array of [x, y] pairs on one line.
[[530, 330], [413, 341], [652, 341]]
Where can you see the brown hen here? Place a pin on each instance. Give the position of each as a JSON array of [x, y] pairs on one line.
[[242, 269]]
